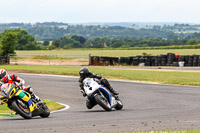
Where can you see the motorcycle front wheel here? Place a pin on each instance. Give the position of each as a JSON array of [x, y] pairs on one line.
[[103, 102], [119, 105], [46, 112], [21, 108]]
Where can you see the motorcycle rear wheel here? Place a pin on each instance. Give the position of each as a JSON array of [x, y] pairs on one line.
[[23, 111], [103, 103]]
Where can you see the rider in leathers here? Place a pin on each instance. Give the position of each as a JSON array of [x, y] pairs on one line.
[[84, 73], [11, 78]]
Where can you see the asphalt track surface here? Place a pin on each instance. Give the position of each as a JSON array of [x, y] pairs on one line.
[[147, 107]]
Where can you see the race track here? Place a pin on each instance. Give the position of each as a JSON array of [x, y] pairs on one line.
[[146, 107]]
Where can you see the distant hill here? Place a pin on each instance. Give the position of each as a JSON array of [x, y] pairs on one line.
[[128, 24], [122, 30]]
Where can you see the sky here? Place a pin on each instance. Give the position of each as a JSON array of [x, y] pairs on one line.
[[83, 11]]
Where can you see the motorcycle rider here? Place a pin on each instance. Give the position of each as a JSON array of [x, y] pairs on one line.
[[84, 73], [11, 78], [1, 91]]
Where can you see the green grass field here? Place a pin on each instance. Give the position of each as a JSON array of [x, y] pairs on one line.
[[110, 53]]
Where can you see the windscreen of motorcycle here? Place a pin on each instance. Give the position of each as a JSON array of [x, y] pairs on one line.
[[90, 86], [5, 87]]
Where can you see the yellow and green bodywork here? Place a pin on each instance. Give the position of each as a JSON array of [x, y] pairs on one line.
[[25, 96]]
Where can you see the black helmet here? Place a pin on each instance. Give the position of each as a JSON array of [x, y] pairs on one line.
[[84, 72]]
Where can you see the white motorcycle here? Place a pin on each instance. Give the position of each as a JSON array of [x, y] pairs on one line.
[[101, 95]]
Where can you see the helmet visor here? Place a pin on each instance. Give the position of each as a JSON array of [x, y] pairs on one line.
[[82, 74], [2, 75]]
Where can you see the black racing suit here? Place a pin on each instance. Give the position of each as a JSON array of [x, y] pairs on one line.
[[104, 82]]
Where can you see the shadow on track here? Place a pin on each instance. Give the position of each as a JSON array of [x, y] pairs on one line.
[[20, 118], [94, 111]]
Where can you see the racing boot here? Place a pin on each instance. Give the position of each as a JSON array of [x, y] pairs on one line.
[[113, 91], [115, 94], [35, 97], [30, 90], [108, 86]]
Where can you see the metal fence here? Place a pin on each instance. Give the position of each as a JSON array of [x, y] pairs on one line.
[[51, 59]]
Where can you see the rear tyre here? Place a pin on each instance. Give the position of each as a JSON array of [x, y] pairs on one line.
[[103, 102], [21, 108]]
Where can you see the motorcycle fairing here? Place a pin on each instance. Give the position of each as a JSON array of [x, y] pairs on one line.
[[27, 98], [4, 99], [111, 99], [106, 92]]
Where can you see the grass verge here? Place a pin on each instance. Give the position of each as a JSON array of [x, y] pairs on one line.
[[157, 76], [5, 112]]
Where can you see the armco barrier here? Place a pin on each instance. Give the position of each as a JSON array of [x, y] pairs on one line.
[[170, 59], [102, 61]]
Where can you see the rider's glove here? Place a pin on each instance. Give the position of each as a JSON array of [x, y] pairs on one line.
[[1, 103], [83, 92], [29, 89], [19, 84], [37, 98]]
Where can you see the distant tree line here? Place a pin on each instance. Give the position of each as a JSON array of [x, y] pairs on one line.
[[76, 41], [54, 30]]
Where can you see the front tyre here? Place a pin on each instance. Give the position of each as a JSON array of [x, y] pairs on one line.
[[103, 102], [46, 112], [21, 108], [119, 105]]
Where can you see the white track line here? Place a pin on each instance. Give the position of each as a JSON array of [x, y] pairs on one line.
[[65, 108], [50, 75]]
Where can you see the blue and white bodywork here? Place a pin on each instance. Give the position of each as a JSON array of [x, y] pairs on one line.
[[101, 95]]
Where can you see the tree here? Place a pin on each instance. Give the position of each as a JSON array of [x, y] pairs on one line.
[[80, 39], [98, 43], [172, 36], [116, 43], [192, 42], [46, 43], [8, 41], [50, 47], [25, 41], [67, 47], [1, 51], [88, 44], [75, 44], [69, 41], [56, 43]]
